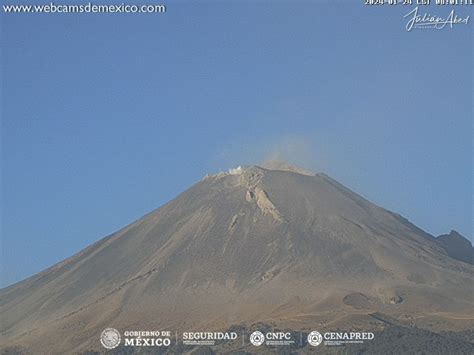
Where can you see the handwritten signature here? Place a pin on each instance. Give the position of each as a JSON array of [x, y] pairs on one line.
[[432, 21]]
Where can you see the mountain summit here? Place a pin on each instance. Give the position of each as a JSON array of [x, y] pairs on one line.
[[257, 244], [283, 166]]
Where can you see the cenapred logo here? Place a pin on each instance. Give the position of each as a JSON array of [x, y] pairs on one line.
[[110, 338], [257, 338], [315, 338]]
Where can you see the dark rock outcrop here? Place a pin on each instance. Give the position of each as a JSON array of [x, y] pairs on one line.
[[457, 246]]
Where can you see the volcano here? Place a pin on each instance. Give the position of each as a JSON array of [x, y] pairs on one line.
[[274, 245]]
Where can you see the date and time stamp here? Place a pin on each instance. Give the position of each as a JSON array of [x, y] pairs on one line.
[[430, 14]]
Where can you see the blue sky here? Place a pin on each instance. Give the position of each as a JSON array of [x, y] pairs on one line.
[[106, 117]]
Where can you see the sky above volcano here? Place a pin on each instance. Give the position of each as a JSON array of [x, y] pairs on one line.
[[106, 117]]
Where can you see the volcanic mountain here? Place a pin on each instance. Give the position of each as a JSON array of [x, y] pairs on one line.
[[275, 245]]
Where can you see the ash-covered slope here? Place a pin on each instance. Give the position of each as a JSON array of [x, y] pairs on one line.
[[240, 247]]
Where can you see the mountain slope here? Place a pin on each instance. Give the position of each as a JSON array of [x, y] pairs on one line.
[[457, 246], [241, 247]]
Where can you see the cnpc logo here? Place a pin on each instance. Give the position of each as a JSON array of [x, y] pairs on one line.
[[257, 338]]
